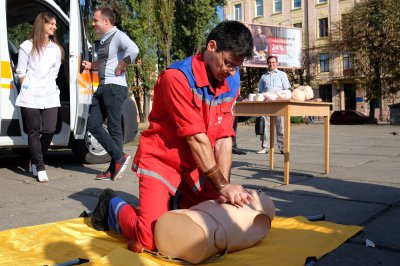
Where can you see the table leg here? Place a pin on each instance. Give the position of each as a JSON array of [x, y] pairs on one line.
[[326, 142], [286, 164], [272, 122]]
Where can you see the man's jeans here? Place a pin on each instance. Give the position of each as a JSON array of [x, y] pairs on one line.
[[279, 133], [107, 104]]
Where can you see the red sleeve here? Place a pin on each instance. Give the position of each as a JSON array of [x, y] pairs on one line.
[[178, 98]]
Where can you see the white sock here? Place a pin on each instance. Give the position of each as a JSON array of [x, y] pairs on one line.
[[42, 176]]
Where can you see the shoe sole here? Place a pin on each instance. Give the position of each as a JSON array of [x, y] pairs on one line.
[[122, 170]]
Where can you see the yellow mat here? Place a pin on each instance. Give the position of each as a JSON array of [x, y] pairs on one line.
[[290, 242]]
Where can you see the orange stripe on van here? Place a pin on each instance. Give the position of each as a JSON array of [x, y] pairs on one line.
[[6, 85], [5, 70], [84, 82]]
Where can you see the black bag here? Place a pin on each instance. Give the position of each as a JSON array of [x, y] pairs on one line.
[[260, 125]]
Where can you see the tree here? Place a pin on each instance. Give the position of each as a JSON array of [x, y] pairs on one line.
[[370, 31], [194, 20], [164, 30]]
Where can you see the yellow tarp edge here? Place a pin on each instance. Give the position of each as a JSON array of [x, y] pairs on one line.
[[290, 242]]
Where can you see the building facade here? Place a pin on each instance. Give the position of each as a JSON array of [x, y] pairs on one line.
[[331, 73]]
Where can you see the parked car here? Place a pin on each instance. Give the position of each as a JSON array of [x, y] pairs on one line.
[[349, 117]]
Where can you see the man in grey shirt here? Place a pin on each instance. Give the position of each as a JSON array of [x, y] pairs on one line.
[[273, 81], [116, 51]]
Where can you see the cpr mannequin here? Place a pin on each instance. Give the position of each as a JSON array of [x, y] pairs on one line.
[[302, 93], [279, 95], [210, 228]]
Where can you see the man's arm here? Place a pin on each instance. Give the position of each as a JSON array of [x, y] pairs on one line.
[[261, 85], [90, 65], [130, 53], [285, 82], [204, 156], [223, 156]]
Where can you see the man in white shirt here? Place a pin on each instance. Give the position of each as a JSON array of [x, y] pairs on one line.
[[273, 81]]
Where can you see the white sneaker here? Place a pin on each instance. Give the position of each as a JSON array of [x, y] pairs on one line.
[[42, 176], [263, 151]]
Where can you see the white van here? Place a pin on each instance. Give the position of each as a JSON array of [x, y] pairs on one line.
[[76, 85]]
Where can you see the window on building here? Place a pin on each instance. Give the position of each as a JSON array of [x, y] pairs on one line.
[[347, 60], [322, 1], [277, 6], [324, 62], [259, 8], [297, 4], [323, 27], [238, 12], [298, 25]]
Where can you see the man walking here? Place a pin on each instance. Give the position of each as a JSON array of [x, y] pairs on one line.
[[272, 81], [116, 51]]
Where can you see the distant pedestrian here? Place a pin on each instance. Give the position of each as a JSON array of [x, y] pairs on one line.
[[39, 61], [116, 52], [272, 81]]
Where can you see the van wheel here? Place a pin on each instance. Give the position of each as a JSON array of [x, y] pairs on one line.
[[89, 150]]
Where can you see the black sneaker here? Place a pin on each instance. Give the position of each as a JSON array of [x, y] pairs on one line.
[[100, 213], [236, 150]]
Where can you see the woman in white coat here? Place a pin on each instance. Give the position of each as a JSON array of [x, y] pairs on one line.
[[39, 61]]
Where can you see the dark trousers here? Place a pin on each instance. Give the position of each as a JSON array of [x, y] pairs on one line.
[[234, 143], [107, 104], [41, 124]]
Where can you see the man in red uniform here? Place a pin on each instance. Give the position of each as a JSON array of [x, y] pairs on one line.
[[185, 155]]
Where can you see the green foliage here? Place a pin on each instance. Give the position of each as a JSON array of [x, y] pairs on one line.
[[194, 20], [299, 120], [19, 33], [371, 31]]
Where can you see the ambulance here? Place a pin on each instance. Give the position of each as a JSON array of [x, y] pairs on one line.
[[76, 84]]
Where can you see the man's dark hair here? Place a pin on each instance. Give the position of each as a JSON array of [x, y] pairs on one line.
[[107, 13], [232, 36], [272, 56]]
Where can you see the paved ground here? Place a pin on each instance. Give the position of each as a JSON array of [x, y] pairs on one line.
[[363, 187]]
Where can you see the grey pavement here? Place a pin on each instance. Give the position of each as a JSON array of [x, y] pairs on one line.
[[363, 187]]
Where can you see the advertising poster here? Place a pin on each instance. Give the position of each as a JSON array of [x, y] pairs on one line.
[[283, 42]]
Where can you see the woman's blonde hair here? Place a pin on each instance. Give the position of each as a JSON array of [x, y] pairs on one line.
[[38, 33]]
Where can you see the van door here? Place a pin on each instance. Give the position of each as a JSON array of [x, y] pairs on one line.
[[80, 81], [10, 125]]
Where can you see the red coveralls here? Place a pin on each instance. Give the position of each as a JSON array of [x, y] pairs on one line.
[[164, 162]]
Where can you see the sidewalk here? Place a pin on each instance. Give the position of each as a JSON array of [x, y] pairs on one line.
[[363, 187]]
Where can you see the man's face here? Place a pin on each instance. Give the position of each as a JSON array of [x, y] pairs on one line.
[[100, 23], [222, 64], [272, 64]]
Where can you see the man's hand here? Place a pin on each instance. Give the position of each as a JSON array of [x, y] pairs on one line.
[[119, 70], [235, 195], [86, 65]]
